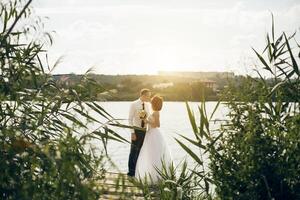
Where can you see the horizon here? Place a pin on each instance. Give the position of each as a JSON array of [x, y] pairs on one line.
[[142, 37], [154, 74]]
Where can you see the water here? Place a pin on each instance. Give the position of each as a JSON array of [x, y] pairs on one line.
[[174, 121]]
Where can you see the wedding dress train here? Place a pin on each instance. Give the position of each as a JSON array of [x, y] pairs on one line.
[[153, 152]]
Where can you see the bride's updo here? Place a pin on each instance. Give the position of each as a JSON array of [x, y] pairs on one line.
[[156, 103]]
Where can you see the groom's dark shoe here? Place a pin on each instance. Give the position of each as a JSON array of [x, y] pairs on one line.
[[130, 174]]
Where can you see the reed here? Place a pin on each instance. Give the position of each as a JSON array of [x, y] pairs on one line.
[[44, 150]]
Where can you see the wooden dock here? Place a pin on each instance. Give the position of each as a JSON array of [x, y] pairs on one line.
[[119, 186]]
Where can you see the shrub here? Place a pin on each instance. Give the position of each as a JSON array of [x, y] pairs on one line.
[[256, 155], [43, 127]]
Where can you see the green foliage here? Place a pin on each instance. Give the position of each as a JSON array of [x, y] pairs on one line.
[[259, 148], [204, 141], [176, 183], [44, 137], [255, 155]]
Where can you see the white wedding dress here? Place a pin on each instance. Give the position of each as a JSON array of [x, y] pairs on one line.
[[153, 151]]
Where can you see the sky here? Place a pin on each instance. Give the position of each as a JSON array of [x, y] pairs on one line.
[[147, 36]]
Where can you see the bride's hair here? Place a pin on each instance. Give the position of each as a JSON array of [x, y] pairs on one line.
[[157, 103]]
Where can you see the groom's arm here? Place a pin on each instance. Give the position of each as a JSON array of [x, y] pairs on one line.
[[130, 120]]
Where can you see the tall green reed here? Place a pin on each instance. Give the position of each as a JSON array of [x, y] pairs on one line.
[[44, 135], [255, 155]]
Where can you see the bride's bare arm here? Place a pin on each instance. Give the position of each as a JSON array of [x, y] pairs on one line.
[[149, 121], [154, 122], [157, 120]]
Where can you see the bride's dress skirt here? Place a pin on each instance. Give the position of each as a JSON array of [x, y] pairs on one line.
[[153, 152]]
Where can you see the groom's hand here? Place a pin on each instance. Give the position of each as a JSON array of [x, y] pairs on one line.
[[133, 137]]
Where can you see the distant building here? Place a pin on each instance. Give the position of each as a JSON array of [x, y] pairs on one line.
[[200, 75], [163, 85], [120, 85], [65, 80], [210, 84], [207, 83], [106, 94]]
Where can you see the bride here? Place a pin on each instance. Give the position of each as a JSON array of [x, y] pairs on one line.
[[154, 149]]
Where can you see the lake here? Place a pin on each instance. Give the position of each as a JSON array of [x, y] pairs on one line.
[[174, 121]]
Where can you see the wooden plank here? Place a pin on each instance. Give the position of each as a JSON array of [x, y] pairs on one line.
[[119, 186]]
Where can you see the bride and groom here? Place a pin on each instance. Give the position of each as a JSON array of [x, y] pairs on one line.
[[148, 146]]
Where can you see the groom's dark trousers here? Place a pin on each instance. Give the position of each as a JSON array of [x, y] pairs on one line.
[[135, 150]]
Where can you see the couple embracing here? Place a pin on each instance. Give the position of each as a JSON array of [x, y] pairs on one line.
[[149, 149]]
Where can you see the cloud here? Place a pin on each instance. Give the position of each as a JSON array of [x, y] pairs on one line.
[[146, 36]]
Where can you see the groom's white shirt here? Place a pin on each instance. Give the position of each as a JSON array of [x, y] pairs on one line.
[[135, 107]]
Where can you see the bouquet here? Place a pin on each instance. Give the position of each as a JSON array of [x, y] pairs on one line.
[[142, 114]]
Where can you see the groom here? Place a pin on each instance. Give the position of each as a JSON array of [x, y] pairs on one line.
[[139, 110]]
